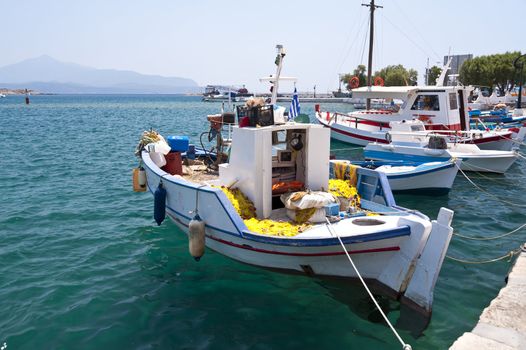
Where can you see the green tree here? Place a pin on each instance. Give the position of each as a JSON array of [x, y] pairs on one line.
[[359, 72], [397, 75], [433, 74], [491, 70]]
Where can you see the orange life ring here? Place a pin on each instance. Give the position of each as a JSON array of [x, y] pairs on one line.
[[354, 82], [378, 81]]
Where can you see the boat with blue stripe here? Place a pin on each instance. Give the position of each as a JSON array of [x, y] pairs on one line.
[[269, 201], [431, 178], [409, 146]]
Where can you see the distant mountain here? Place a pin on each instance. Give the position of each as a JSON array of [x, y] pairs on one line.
[[49, 75]]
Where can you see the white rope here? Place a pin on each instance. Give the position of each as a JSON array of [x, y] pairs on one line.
[[333, 233], [346, 149], [489, 193]]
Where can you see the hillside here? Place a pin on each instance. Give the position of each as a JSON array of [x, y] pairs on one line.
[[48, 75]]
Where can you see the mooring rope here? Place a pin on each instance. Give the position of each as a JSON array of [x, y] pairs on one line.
[[509, 255], [405, 346], [489, 193], [512, 140], [345, 149], [491, 238]]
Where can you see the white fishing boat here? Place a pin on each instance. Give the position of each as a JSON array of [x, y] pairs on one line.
[[409, 142], [427, 178], [440, 108], [240, 212]]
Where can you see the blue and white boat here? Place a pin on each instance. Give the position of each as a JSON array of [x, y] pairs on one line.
[[421, 147], [399, 250], [405, 177]]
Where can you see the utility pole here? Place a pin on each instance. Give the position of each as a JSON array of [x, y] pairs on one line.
[[372, 7], [520, 67]]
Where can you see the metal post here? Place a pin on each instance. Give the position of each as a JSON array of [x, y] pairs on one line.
[[520, 67], [372, 7]]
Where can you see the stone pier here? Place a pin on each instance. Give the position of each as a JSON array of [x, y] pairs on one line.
[[502, 324]]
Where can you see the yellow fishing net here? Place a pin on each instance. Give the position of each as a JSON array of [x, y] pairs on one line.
[[245, 208], [341, 188]]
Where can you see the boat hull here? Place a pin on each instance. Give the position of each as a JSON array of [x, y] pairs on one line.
[[492, 161], [433, 179], [364, 132]]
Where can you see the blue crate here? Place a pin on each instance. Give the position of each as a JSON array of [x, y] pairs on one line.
[[178, 143]]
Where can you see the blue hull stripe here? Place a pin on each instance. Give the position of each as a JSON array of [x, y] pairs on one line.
[[418, 173]]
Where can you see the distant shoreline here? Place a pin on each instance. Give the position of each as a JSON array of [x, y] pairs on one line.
[[19, 92]]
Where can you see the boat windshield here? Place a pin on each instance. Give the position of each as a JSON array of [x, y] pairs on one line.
[[426, 103]]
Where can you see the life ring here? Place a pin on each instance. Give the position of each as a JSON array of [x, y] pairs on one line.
[[354, 82], [378, 81]]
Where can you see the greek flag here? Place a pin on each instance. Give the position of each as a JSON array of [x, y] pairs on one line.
[[294, 109]]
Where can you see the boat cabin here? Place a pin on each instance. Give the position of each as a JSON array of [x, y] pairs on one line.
[[439, 107], [262, 157]]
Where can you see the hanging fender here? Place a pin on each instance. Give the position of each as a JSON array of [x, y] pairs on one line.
[[196, 237], [159, 203], [139, 179]]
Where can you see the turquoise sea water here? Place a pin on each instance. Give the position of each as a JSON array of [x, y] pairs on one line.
[[84, 266]]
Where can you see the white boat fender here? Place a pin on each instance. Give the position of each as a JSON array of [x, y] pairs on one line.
[[139, 179], [159, 203], [142, 178], [196, 237]]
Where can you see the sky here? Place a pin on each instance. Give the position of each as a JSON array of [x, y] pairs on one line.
[[233, 42]]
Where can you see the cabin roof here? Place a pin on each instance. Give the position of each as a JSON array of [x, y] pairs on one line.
[[383, 91], [401, 92]]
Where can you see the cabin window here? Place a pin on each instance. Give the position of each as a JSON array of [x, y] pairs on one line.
[[426, 103], [453, 101]]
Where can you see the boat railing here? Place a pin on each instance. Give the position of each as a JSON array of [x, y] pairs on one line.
[[355, 119], [453, 135]]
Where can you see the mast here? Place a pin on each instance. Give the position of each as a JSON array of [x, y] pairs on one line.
[[372, 7], [279, 65]]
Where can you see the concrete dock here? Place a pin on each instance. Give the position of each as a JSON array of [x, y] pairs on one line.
[[502, 324]]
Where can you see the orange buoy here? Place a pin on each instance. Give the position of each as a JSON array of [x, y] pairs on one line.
[[378, 81], [354, 82]]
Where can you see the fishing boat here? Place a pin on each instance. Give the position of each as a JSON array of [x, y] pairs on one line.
[[410, 142], [416, 178], [439, 108], [221, 93], [273, 205]]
